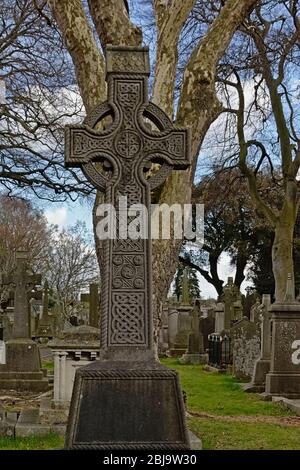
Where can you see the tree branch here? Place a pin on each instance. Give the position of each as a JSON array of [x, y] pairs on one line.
[[80, 42]]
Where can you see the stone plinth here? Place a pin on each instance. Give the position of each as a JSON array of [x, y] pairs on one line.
[[22, 370], [76, 348], [123, 392], [284, 377]]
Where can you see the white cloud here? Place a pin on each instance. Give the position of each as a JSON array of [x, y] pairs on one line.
[[57, 216], [225, 270]]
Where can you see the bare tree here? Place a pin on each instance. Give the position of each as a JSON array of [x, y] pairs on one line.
[[40, 98], [72, 265], [262, 134]]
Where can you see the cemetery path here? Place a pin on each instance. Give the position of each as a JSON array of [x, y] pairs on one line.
[[281, 420]]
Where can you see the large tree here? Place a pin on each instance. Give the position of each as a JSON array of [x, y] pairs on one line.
[[196, 105], [261, 92]]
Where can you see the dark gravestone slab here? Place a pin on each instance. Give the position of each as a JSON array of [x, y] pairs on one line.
[[125, 150]]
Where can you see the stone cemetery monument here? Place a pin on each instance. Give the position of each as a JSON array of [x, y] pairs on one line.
[[45, 326], [232, 301], [180, 321], [255, 311], [219, 317], [284, 376], [262, 365], [22, 370], [163, 341], [245, 341], [195, 353], [92, 298], [127, 400], [74, 348]]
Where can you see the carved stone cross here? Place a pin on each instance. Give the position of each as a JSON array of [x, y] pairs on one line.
[[22, 283], [127, 399], [127, 148]]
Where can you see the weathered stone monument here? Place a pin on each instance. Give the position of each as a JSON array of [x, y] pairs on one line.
[[195, 353], [74, 348], [22, 370], [92, 298], [127, 400], [219, 317], [262, 365], [245, 340], [284, 376], [232, 302], [45, 326]]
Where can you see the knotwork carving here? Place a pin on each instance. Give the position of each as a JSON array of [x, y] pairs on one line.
[[127, 322]]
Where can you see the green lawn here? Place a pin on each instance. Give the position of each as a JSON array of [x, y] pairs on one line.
[[49, 441], [219, 396]]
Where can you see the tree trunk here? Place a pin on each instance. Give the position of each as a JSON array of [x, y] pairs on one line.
[[282, 251]]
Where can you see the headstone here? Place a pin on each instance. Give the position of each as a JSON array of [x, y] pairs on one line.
[[22, 370], [195, 353], [255, 311], [219, 317], [179, 328], [163, 340], [92, 298], [232, 301], [262, 365], [245, 341], [45, 327], [284, 376], [127, 399]]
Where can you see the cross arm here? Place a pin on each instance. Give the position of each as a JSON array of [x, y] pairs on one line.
[[173, 146], [83, 144]]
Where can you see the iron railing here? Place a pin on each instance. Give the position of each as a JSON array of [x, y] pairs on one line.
[[219, 350]]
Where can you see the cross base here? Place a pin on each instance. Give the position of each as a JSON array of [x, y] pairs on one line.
[[126, 405], [22, 370]]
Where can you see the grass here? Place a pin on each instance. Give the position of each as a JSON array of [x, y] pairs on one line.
[[49, 441], [229, 407], [218, 435], [49, 365]]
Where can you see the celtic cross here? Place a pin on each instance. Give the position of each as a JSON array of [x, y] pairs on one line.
[[23, 283], [115, 159]]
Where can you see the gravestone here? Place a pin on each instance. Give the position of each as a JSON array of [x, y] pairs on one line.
[[245, 341], [92, 298], [232, 301], [262, 365], [45, 327], [255, 311], [22, 370], [127, 400], [219, 317], [195, 353], [284, 376]]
